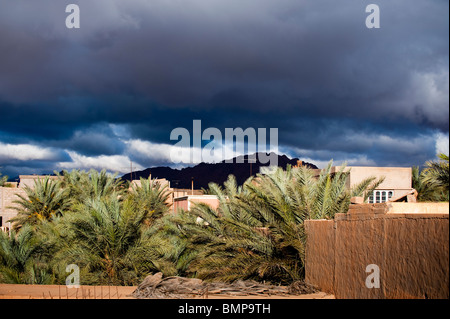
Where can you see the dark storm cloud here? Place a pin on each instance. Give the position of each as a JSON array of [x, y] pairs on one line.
[[92, 141], [310, 68]]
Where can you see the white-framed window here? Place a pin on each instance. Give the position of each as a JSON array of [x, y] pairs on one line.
[[380, 196]]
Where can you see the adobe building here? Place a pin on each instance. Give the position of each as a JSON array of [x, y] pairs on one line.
[[186, 202], [397, 182], [7, 196], [29, 180]]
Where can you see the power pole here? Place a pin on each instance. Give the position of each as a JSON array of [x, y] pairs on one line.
[[131, 170]]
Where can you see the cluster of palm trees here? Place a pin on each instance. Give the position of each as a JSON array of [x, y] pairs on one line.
[[117, 233], [90, 219], [258, 230]]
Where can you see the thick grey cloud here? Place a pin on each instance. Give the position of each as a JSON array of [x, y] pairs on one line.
[[310, 68]]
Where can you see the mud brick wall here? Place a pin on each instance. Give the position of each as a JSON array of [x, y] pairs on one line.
[[410, 249], [7, 196], [319, 263]]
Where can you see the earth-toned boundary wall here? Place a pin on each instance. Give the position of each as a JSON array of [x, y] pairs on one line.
[[408, 242]]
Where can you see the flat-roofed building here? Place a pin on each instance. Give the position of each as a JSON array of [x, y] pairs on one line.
[[29, 180], [187, 202], [397, 182]]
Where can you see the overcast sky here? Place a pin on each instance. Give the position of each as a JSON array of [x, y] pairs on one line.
[[112, 91]]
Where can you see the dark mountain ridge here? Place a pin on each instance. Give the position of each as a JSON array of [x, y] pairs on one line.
[[204, 173]]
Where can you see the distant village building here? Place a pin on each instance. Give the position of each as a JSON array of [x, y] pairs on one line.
[[396, 185], [29, 180], [187, 202]]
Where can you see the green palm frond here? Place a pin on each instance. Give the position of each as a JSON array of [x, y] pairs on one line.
[[152, 197], [432, 183], [437, 172], [106, 238], [3, 180], [46, 200], [20, 258]]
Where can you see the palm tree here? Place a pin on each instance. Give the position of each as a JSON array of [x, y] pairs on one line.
[[427, 190], [75, 182], [21, 258], [252, 235], [313, 197], [438, 172], [173, 249], [93, 184], [230, 245], [432, 183], [42, 202], [258, 230], [330, 194], [104, 237], [151, 196]]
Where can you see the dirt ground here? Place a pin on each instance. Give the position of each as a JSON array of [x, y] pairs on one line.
[[110, 292]]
